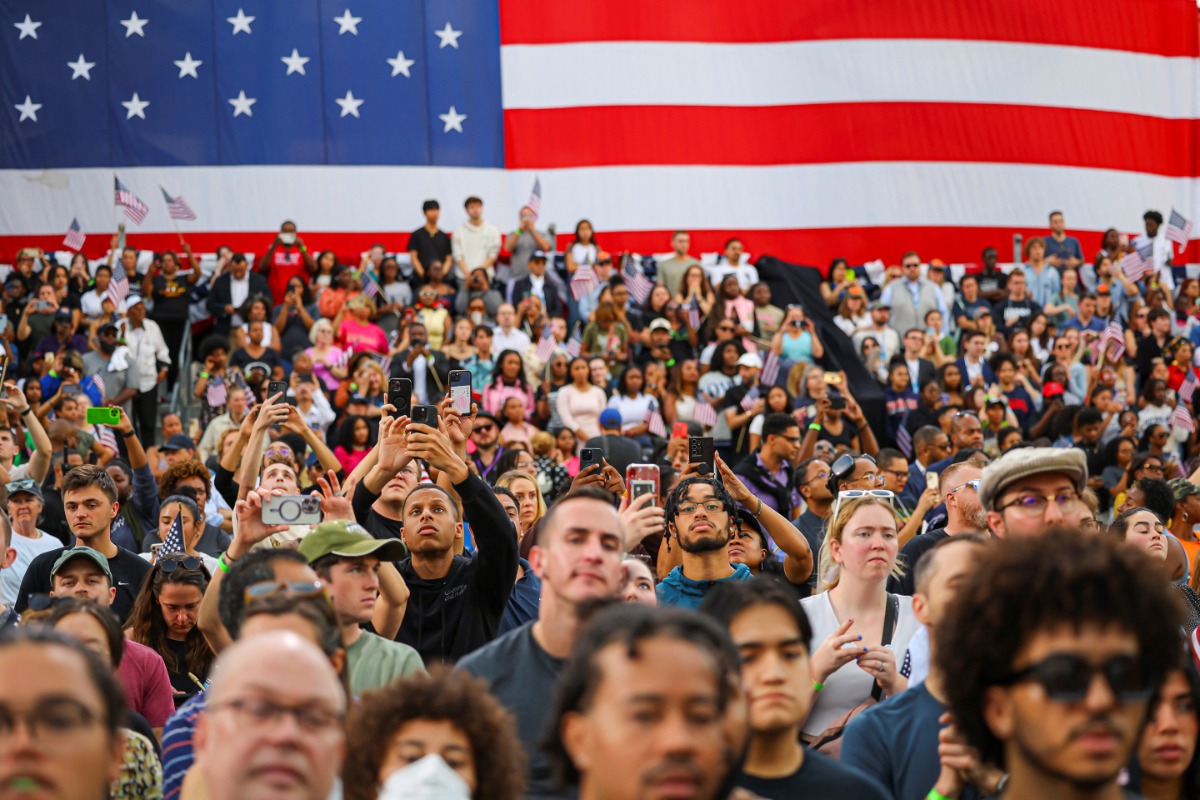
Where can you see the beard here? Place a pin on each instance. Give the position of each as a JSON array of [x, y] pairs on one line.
[[704, 543], [974, 515]]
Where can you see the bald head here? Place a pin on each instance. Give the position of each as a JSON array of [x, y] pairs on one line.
[[272, 725]]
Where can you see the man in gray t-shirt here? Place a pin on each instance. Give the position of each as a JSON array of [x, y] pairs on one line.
[[670, 270], [116, 367], [522, 242]]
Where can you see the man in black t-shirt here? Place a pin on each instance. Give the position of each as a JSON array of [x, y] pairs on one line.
[[90, 502], [772, 634], [429, 245], [1017, 310], [749, 366]]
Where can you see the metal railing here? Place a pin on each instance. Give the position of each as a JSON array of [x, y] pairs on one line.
[[183, 401]]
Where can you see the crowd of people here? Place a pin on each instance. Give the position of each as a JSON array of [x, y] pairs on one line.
[[662, 550]]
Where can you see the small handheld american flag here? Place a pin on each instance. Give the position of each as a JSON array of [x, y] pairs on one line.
[[636, 282], [118, 285], [704, 413], [654, 422], [173, 543], [370, 285], [584, 282], [770, 370], [135, 209], [1133, 265], [904, 442], [1188, 387], [1179, 228], [1113, 335], [694, 314], [75, 236], [750, 399], [177, 207], [1182, 419], [575, 343], [546, 344], [216, 393], [535, 198]]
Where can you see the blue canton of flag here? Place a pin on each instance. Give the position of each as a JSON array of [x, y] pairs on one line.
[[207, 83], [1179, 228], [174, 541], [118, 286], [370, 285], [638, 285]]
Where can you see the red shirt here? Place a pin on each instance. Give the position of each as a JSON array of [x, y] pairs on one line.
[[147, 685], [286, 263]]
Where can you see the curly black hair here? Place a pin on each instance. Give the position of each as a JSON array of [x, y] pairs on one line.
[[680, 491], [1062, 580], [443, 694]]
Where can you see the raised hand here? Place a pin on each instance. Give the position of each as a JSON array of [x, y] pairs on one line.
[[250, 528], [336, 502]]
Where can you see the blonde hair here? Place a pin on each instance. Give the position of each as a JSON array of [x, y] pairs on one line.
[[543, 443], [507, 479], [829, 572]]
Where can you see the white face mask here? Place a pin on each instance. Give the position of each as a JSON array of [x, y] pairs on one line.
[[428, 778], [287, 238], [477, 317]]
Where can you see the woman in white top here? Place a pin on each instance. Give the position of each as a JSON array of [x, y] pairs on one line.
[[91, 303], [857, 557], [583, 249], [580, 402]]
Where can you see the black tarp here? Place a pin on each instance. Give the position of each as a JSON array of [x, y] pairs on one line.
[[796, 283]]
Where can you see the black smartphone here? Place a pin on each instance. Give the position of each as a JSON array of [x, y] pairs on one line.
[[426, 415], [589, 456], [400, 395], [460, 390], [837, 402], [277, 387], [700, 451]]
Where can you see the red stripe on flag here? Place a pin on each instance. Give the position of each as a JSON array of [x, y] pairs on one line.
[[1162, 27], [967, 132], [817, 246]]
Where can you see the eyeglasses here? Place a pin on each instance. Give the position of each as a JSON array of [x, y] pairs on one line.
[[856, 494], [170, 564], [51, 723], [911, 265], [257, 591], [1067, 678], [1035, 505], [900, 474], [1152, 467], [710, 506], [820, 476], [271, 452], [974, 484], [485, 427], [260, 713]]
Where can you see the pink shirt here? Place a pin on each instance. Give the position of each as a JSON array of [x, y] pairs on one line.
[[143, 674], [359, 337]]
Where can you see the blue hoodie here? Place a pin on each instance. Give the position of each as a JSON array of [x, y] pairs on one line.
[[679, 590]]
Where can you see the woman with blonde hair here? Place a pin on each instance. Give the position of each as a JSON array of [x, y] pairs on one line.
[[528, 494], [325, 354], [355, 330], [863, 630]]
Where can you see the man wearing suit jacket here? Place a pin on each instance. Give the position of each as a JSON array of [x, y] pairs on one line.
[[538, 284], [428, 369], [920, 370], [973, 366], [930, 445], [230, 292]]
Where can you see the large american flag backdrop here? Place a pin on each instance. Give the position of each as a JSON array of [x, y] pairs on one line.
[[813, 129]]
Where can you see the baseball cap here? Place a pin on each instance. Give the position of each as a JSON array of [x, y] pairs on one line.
[[1053, 389], [610, 418], [937, 263], [660, 324], [108, 326], [350, 540], [63, 315], [179, 441], [997, 400], [481, 414], [876, 305], [131, 301], [1103, 289], [538, 255], [82, 552], [261, 366], [855, 291], [26, 486], [1181, 487], [1025, 462], [750, 360]]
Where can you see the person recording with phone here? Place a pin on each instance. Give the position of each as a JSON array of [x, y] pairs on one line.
[[428, 369], [38, 465], [796, 341], [116, 367]]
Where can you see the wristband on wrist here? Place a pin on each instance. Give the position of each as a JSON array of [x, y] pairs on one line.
[[222, 564], [25, 410], [204, 375], [814, 426], [818, 686], [759, 511], [129, 433], [934, 794]]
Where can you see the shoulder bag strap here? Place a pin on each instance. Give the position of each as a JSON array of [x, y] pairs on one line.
[[889, 628]]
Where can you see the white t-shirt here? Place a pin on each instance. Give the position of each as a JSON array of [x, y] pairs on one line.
[[849, 685], [27, 549]]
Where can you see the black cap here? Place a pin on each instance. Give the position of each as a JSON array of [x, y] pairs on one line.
[[180, 441], [63, 315], [538, 255]]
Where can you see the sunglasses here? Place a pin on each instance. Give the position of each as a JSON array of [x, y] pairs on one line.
[[171, 563], [1067, 677], [858, 494], [44, 602], [257, 591], [974, 484]]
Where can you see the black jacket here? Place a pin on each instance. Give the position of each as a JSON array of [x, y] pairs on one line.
[[222, 295], [554, 305], [437, 379], [450, 617]]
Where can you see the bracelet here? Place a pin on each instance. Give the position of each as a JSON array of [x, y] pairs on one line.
[[759, 511], [814, 426], [25, 410], [303, 248], [128, 434], [204, 375], [818, 686], [221, 565], [934, 794]]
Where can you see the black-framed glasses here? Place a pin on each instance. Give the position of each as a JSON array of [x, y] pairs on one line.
[[900, 474], [257, 591], [1036, 504], [172, 563], [1067, 677], [258, 712], [51, 722]]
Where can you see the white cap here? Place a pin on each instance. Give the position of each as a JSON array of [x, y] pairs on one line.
[[750, 360], [130, 301]]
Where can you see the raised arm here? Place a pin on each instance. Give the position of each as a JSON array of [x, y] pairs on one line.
[[39, 462], [798, 560]]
